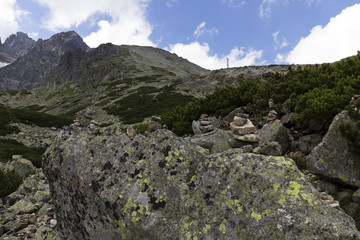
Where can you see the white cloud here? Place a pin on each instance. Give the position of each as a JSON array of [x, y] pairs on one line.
[[171, 3], [201, 55], [201, 29], [34, 35], [265, 6], [127, 24], [234, 3], [338, 39], [10, 15], [279, 43]]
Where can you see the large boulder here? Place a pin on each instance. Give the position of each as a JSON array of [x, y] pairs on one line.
[[274, 132], [331, 158], [214, 141], [20, 165], [160, 186]]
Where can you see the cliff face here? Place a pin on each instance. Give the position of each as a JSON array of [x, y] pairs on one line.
[[29, 70], [17, 45], [160, 186]]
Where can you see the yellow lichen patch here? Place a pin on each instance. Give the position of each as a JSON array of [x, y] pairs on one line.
[[281, 161], [309, 197], [276, 187], [256, 216], [266, 211], [222, 228], [282, 199], [294, 189]]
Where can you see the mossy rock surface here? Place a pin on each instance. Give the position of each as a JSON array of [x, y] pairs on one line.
[[160, 186], [332, 159]]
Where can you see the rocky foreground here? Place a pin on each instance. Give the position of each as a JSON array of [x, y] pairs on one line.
[[160, 186]]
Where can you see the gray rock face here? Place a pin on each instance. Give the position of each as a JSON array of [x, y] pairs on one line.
[[160, 186], [215, 138], [274, 132], [28, 71], [17, 45], [332, 159]]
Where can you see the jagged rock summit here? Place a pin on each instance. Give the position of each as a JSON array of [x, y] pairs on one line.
[[29, 70], [17, 45], [160, 186]]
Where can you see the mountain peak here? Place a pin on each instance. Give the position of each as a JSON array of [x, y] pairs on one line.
[[17, 45], [29, 70]]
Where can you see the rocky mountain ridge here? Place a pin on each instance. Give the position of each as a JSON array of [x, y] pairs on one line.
[[17, 45], [28, 70]]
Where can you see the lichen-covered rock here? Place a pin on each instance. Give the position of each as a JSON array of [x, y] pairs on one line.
[[20, 165], [160, 186], [275, 132], [332, 160], [23, 212], [309, 142], [46, 233], [215, 141]]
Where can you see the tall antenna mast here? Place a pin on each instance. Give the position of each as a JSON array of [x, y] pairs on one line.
[[227, 60]]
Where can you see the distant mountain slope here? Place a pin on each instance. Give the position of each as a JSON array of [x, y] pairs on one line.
[[109, 62], [28, 71], [17, 45]]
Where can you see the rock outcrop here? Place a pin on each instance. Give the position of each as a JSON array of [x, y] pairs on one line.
[[274, 132], [29, 70], [17, 45], [215, 141], [160, 186], [332, 160]]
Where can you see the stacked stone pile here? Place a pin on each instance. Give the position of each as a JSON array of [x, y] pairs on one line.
[[271, 117], [155, 124], [243, 129], [205, 124]]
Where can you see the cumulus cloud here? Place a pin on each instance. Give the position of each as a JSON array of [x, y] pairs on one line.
[[201, 54], [171, 3], [201, 29], [10, 15], [127, 24], [338, 39], [234, 3], [279, 43]]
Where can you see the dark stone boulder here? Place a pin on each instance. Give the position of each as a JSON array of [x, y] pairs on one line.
[[332, 160], [275, 132], [214, 141], [160, 186]]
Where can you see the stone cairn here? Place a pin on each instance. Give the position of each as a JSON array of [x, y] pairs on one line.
[[155, 124], [271, 117], [205, 124], [76, 123], [271, 103], [244, 130], [94, 125], [130, 131]]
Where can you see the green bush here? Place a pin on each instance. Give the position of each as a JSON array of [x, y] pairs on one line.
[[9, 147], [145, 102], [141, 128], [313, 91], [9, 182], [351, 134], [26, 116]]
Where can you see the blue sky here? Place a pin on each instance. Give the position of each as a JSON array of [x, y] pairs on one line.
[[206, 32]]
